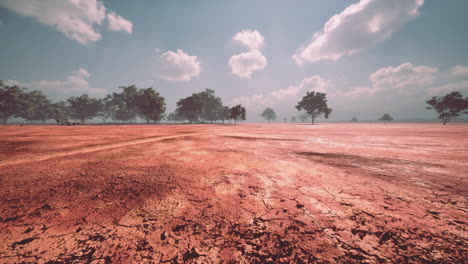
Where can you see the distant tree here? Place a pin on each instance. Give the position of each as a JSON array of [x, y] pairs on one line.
[[151, 105], [59, 111], [107, 109], [190, 107], [126, 103], [36, 107], [285, 120], [354, 119], [448, 107], [237, 113], [293, 119], [303, 117], [386, 118], [269, 114], [224, 113], [315, 104], [212, 105], [12, 100], [174, 117], [83, 107]]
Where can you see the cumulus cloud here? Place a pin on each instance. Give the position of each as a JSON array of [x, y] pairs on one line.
[[117, 23], [251, 39], [179, 66], [290, 94], [244, 64], [77, 19], [406, 79], [459, 70], [359, 26], [73, 85]]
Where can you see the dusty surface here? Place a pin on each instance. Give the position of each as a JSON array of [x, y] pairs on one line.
[[328, 193]]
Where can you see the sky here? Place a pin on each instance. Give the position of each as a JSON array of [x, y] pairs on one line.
[[370, 57]]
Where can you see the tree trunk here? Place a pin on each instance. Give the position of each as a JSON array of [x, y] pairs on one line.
[[313, 119]]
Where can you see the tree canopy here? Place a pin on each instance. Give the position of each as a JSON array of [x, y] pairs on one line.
[[386, 118], [315, 105], [237, 113], [448, 107], [269, 114]]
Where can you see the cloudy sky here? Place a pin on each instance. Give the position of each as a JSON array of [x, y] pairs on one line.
[[369, 56]]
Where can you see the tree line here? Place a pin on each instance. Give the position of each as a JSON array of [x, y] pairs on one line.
[[127, 105], [314, 105]]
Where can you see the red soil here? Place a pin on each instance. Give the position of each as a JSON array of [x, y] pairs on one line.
[[293, 193]]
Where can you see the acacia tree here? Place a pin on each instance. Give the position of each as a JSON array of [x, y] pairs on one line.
[[354, 119], [448, 107], [151, 105], [83, 107], [315, 104], [237, 113], [12, 100], [190, 107], [386, 118], [269, 114]]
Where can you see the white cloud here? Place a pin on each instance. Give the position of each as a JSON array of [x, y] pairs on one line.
[[244, 64], [359, 26], [447, 88], [290, 95], [459, 70], [75, 84], [117, 23], [179, 66], [77, 19], [407, 80], [251, 39]]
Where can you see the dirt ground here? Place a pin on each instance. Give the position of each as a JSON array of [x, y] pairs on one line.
[[250, 193]]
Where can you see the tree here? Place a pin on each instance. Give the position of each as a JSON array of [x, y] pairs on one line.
[[354, 119], [190, 107], [83, 107], [151, 105], [386, 118], [107, 109], [35, 107], [285, 119], [237, 113], [224, 113], [269, 114], [59, 111], [126, 103], [315, 104], [174, 117], [448, 107], [11, 101], [212, 105], [293, 119]]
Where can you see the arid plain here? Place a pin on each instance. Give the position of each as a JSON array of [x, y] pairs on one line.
[[250, 193]]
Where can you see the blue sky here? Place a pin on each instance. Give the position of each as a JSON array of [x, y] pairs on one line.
[[370, 56]]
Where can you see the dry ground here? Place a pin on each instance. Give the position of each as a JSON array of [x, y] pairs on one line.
[[292, 193]]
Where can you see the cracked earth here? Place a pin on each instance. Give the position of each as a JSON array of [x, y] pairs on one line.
[[272, 193]]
